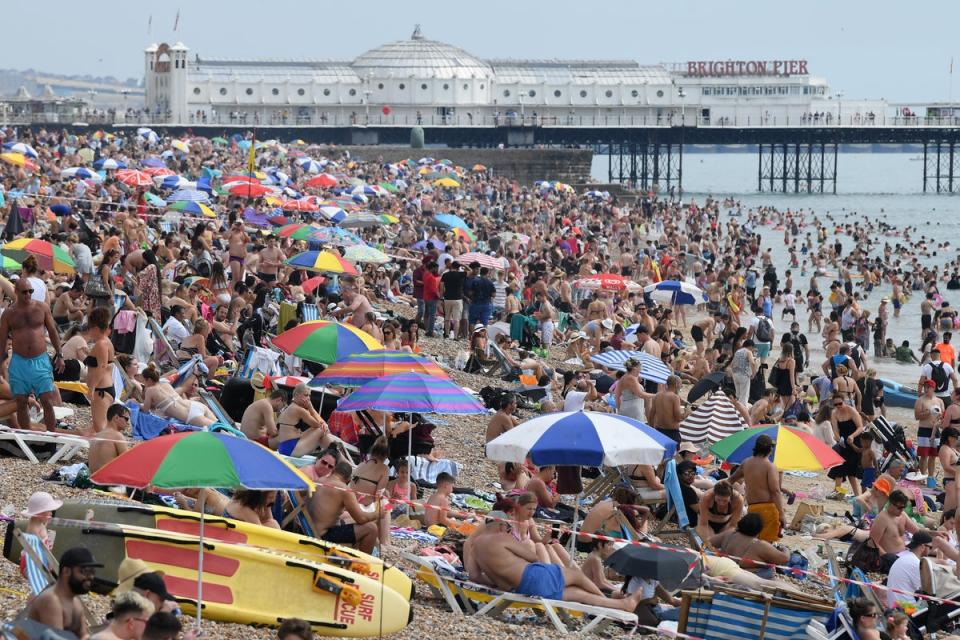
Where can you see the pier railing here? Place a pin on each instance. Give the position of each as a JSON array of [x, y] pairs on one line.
[[531, 120]]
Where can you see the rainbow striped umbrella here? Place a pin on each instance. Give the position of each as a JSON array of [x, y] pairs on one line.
[[322, 261], [49, 257], [191, 206], [297, 231], [324, 341], [358, 369], [795, 450], [412, 393]]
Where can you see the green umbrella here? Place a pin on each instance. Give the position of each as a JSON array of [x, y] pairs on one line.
[[389, 186], [219, 140], [9, 264]]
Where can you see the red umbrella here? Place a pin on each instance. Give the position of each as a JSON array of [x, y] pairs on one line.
[[607, 282], [159, 171], [299, 205], [310, 284], [323, 180], [249, 190], [134, 178]]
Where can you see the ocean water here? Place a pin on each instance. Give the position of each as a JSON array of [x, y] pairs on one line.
[[885, 187]]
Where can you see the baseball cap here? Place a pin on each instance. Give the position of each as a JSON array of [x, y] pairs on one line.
[[930, 383], [78, 557], [919, 538], [154, 582]]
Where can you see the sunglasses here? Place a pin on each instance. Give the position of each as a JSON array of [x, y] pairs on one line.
[[324, 463]]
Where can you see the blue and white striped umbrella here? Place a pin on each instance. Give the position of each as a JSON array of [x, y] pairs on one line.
[[582, 438], [148, 134], [365, 190], [174, 182], [599, 195], [190, 195], [674, 292], [109, 164], [310, 165], [651, 368], [80, 173], [333, 214], [21, 147]]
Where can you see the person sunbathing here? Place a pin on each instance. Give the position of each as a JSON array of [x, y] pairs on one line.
[[496, 558], [165, 401], [251, 506]]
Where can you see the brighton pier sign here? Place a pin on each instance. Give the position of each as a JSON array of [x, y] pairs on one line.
[[707, 68]]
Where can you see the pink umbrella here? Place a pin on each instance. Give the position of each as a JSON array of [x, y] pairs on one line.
[[607, 282], [485, 260]]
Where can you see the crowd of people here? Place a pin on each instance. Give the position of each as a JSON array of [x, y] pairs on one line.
[[559, 283]]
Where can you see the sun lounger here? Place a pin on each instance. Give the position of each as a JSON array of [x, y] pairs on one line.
[[66, 446], [463, 596]]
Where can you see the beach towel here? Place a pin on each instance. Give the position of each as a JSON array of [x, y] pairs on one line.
[[771, 520], [424, 470]]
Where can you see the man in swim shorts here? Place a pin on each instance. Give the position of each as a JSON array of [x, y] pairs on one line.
[[762, 483], [496, 558], [327, 505], [30, 371]]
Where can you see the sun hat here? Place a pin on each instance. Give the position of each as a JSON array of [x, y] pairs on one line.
[[131, 569], [607, 324], [41, 502], [477, 328]]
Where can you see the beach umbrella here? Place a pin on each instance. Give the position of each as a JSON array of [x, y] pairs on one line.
[[18, 160], [795, 450], [255, 218], [364, 254], [323, 180], [607, 282], [285, 381], [49, 256], [437, 243], [189, 195], [446, 182], [465, 234], [708, 384], [153, 162], [667, 564], [159, 171], [154, 199], [582, 438], [412, 393], [249, 190], [479, 168], [325, 342], [219, 140], [202, 459], [322, 261], [109, 164], [9, 264], [598, 195], [674, 292], [651, 368], [134, 178], [192, 207], [485, 260], [364, 190], [148, 134], [298, 205], [80, 173], [310, 165], [389, 187], [173, 182], [336, 235], [310, 284], [333, 214], [358, 369], [450, 220], [360, 221], [713, 420], [22, 148], [181, 145], [297, 231]]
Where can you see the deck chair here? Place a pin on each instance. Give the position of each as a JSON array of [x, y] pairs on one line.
[[601, 486], [42, 567], [728, 614], [298, 513], [163, 350], [502, 369], [260, 359], [463, 596], [931, 616], [675, 504], [288, 312], [65, 446]]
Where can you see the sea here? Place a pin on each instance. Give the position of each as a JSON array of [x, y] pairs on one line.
[[887, 186]]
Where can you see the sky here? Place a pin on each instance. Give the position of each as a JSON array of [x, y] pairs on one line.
[[880, 49]]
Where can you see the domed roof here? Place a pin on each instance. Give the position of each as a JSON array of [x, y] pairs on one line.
[[420, 58]]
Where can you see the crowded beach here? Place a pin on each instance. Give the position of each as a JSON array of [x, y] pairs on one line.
[[264, 389]]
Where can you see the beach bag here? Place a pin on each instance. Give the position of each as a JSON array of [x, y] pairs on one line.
[[96, 289], [803, 510], [865, 557], [764, 330], [939, 376]]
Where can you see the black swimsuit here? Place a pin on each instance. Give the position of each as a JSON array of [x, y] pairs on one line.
[[91, 361]]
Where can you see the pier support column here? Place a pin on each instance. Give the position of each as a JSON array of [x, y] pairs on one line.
[[941, 166], [797, 167], [645, 165]]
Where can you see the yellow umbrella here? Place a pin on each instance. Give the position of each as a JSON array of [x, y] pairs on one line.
[[446, 182], [180, 145], [16, 159]]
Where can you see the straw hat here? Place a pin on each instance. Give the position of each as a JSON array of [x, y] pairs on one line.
[[257, 381], [41, 502], [130, 569]]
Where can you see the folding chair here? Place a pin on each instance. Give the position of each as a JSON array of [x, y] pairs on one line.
[[42, 567], [309, 312], [166, 352], [298, 513], [675, 505]]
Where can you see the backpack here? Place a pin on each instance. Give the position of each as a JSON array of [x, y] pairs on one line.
[[939, 376], [764, 332]]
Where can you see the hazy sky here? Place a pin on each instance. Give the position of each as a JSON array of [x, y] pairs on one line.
[[896, 50]]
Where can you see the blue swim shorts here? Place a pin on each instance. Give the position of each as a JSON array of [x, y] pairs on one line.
[[31, 375], [763, 349], [542, 580]]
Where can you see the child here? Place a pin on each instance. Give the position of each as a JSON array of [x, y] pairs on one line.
[[40, 508], [868, 459], [896, 623], [399, 487], [439, 502], [789, 305]]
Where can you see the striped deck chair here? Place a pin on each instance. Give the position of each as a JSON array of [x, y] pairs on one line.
[[36, 561], [733, 618], [260, 359], [674, 501], [119, 299], [309, 312], [163, 350]]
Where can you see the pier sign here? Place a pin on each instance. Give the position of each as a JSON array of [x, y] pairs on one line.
[[705, 68]]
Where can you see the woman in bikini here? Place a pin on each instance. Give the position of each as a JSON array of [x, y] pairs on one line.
[[218, 284], [255, 507], [526, 532], [301, 429], [948, 456], [370, 480], [100, 367], [720, 508], [164, 400]]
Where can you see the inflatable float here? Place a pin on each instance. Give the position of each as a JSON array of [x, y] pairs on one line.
[[897, 395], [217, 528], [241, 584]]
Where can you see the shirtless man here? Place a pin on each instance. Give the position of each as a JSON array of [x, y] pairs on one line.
[[68, 308], [237, 249], [271, 259], [666, 410], [355, 308], [762, 484], [59, 606], [495, 557], [503, 420], [928, 410], [30, 372], [889, 527], [439, 503], [702, 332], [110, 442], [327, 505], [259, 421]]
